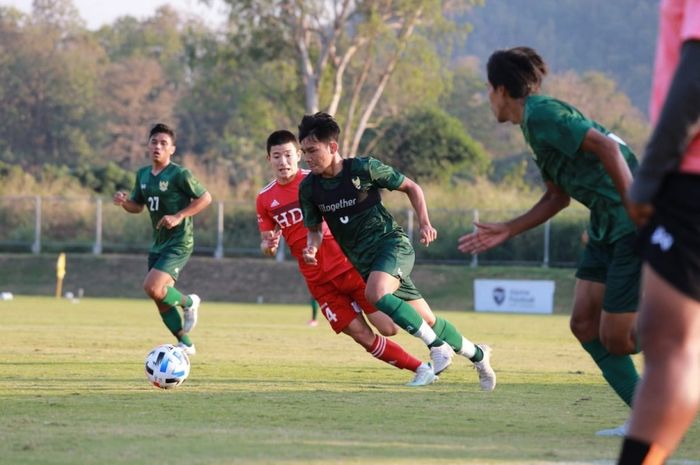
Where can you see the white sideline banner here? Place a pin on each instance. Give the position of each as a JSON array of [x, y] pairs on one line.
[[513, 295]]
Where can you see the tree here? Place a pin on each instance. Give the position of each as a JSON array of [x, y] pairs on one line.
[[429, 145], [346, 50]]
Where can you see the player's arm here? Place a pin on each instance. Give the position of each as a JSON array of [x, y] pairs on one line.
[[193, 208], [314, 237], [608, 152], [121, 199], [489, 235], [417, 198], [678, 121]]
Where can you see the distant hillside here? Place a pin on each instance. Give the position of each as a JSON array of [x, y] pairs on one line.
[[616, 37]]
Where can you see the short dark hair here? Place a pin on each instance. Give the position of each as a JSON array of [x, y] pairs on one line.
[[281, 137], [520, 70], [162, 128], [321, 126]]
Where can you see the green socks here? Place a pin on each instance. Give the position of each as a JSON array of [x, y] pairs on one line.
[[173, 322], [403, 314], [314, 309], [448, 333], [174, 297], [618, 370]]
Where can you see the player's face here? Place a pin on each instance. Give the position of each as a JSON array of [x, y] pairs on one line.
[[319, 155], [284, 160], [498, 103], [161, 148]]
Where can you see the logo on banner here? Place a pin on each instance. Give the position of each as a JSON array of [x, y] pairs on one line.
[[499, 295]]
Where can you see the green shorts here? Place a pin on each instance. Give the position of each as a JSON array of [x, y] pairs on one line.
[[396, 257], [618, 267], [170, 261]]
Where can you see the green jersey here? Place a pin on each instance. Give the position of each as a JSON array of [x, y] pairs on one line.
[[555, 131], [167, 193], [352, 208]]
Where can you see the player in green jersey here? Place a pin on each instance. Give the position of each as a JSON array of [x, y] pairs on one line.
[[173, 196], [345, 192], [578, 158]]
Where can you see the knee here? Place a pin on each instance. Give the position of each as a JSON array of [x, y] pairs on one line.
[[617, 345], [373, 295], [583, 328], [388, 330], [364, 338], [154, 291]]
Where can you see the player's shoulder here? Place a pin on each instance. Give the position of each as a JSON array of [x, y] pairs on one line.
[[269, 187]]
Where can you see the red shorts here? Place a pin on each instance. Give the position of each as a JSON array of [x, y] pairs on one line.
[[342, 298]]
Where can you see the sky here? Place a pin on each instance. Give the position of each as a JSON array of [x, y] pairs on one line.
[[97, 13]]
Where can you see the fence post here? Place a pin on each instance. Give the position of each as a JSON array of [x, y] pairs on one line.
[[279, 256], [36, 246], [219, 251], [97, 248], [475, 257], [547, 234], [409, 224]]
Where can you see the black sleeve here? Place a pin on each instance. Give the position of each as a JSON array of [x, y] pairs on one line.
[[678, 124]]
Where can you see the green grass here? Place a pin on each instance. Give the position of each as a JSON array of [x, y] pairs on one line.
[[266, 389]]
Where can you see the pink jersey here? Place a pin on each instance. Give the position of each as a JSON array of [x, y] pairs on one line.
[[278, 206], [680, 21]]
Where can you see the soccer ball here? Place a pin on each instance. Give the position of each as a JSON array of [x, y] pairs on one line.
[[167, 366]]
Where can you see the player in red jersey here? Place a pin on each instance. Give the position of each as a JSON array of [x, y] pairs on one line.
[[334, 282]]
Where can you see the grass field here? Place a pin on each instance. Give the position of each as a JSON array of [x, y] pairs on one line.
[[266, 389]]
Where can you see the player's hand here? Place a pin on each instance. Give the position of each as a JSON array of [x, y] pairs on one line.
[[486, 236], [169, 221], [270, 242], [640, 213], [427, 234], [309, 255], [119, 198]]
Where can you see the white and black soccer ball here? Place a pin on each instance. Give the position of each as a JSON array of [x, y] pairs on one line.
[[167, 366]]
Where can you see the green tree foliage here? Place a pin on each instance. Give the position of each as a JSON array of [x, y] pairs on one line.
[[429, 145], [48, 70], [616, 37]]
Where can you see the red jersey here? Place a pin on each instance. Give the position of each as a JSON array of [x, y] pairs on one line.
[[278, 206]]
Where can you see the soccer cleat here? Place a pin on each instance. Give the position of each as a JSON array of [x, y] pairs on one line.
[[487, 377], [312, 323], [190, 313], [618, 431], [424, 376], [441, 357], [188, 350]]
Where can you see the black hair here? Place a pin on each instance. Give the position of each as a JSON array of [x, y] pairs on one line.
[[520, 70], [162, 128], [281, 137], [321, 126]]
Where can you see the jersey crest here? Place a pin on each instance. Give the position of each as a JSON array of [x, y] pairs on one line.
[[163, 186]]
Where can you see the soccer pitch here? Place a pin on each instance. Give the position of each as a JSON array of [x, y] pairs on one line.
[[266, 389]]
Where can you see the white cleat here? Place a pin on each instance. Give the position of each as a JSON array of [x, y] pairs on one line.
[[188, 350], [190, 313], [487, 377], [424, 376], [618, 431], [441, 357]]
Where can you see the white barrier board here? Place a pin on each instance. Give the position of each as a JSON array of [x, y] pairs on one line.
[[513, 295]]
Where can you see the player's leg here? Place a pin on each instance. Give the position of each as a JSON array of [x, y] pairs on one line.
[[156, 279], [618, 370], [172, 262], [393, 259], [345, 316], [478, 354], [313, 322], [669, 393]]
